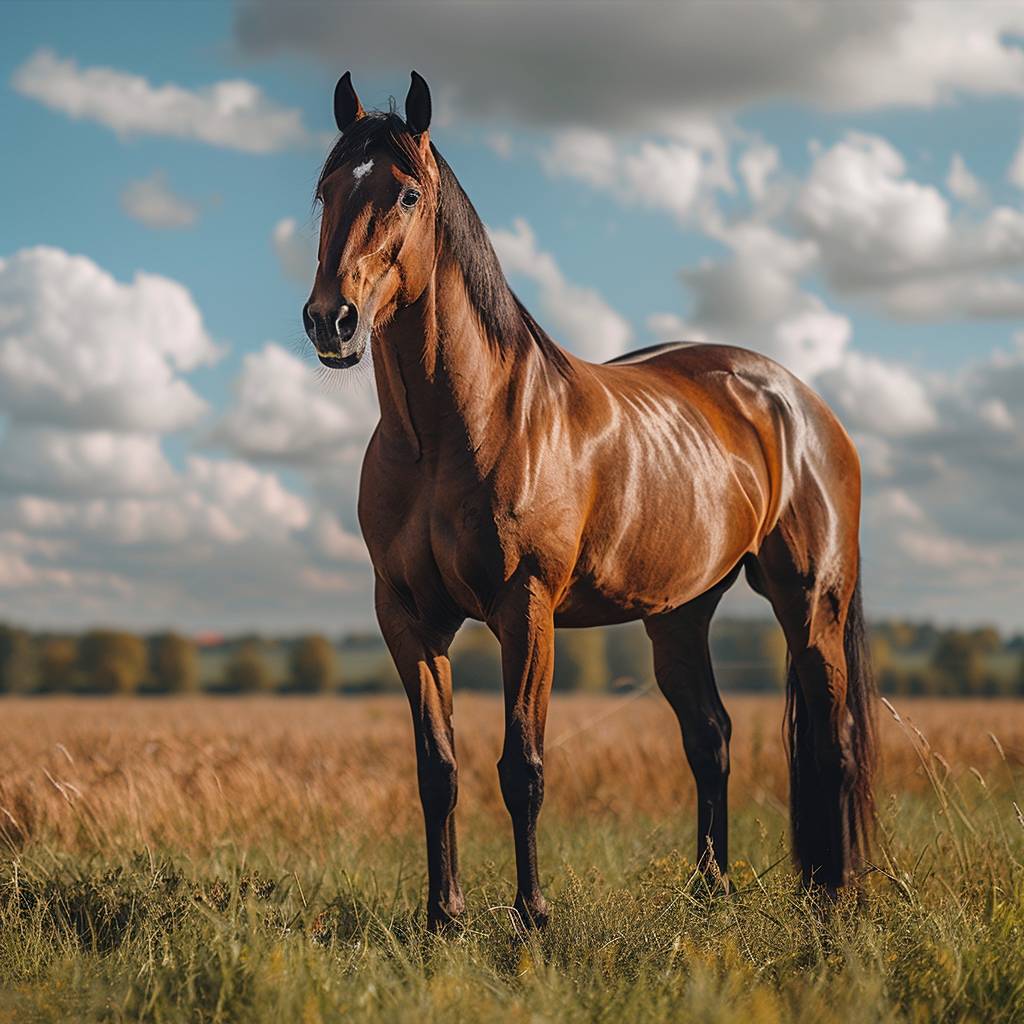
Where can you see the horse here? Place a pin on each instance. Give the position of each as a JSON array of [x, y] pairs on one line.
[[510, 482]]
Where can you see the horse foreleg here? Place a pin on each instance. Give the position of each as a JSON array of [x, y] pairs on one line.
[[421, 658], [525, 627]]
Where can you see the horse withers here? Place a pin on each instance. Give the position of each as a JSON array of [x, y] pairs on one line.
[[511, 482]]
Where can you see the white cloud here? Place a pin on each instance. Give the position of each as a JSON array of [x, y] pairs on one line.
[[868, 218], [754, 300], [882, 397], [295, 251], [580, 317], [234, 114], [757, 164], [80, 349], [962, 183], [665, 174], [1015, 174], [152, 202], [77, 463], [283, 412], [893, 241]]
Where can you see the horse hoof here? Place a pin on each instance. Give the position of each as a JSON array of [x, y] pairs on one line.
[[442, 917], [533, 913]]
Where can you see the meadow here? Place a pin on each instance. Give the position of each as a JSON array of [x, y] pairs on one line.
[[260, 859]]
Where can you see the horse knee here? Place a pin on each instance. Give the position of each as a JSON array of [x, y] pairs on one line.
[[439, 785], [522, 782]]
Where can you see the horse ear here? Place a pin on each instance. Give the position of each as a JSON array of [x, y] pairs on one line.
[[347, 107], [417, 105]]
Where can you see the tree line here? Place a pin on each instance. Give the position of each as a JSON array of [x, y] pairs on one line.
[[749, 655]]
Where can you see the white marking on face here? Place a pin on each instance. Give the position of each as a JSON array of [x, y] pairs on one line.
[[361, 171]]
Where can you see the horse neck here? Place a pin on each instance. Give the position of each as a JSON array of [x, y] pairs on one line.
[[444, 385]]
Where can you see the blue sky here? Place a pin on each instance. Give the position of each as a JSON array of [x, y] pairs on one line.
[[857, 260]]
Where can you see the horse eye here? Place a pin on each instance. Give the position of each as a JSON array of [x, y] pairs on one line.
[[409, 198]]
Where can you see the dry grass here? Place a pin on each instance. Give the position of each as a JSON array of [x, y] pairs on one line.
[[191, 774], [261, 861]]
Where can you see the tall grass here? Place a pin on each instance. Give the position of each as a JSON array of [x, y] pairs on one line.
[[261, 860]]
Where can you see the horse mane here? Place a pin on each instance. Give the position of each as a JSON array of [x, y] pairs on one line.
[[505, 319]]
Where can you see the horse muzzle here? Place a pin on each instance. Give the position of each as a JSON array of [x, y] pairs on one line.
[[339, 335]]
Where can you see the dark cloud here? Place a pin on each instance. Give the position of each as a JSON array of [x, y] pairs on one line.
[[633, 65]]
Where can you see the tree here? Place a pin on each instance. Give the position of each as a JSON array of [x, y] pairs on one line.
[[58, 657], [580, 662], [629, 654], [247, 670], [15, 660], [111, 662], [959, 660], [175, 664], [313, 665], [476, 659]]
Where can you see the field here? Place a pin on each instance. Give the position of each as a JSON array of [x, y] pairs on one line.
[[260, 860]]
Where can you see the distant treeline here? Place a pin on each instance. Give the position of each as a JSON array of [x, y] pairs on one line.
[[750, 655]]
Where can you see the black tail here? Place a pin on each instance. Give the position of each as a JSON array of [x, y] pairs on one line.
[[809, 799]]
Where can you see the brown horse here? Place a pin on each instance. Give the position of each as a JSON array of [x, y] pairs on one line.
[[513, 483]]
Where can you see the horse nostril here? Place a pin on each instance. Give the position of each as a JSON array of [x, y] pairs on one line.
[[309, 324], [346, 322]]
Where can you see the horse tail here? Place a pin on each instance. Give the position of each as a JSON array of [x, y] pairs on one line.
[[805, 794], [861, 693]]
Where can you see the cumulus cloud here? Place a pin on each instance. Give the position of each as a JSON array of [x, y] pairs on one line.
[[282, 412], [754, 299], [79, 463], [233, 114], [528, 62], [962, 183], [893, 240], [81, 349], [670, 174], [757, 164], [152, 202], [579, 316], [295, 251]]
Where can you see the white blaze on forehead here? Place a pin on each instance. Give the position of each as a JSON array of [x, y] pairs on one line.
[[362, 170]]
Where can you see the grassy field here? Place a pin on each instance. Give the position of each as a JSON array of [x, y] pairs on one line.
[[251, 860]]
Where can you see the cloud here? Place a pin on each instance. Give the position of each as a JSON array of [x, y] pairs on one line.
[[962, 184], [580, 318], [868, 218], [81, 349], [893, 241], [295, 251], [754, 299], [1015, 174], [875, 395], [670, 174], [282, 412], [233, 114], [757, 164], [534, 63], [77, 463], [151, 201]]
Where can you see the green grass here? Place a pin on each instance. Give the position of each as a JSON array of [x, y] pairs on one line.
[[269, 934]]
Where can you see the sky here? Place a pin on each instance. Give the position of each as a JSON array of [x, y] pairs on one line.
[[838, 186]]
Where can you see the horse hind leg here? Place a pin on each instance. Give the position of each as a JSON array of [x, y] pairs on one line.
[[682, 667], [829, 723]]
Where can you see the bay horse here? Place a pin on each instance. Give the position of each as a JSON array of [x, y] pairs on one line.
[[511, 482]]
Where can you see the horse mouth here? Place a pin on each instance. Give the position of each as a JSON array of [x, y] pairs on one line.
[[336, 362]]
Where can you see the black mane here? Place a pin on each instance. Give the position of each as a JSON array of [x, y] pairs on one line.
[[504, 317]]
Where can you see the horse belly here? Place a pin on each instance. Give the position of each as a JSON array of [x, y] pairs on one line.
[[673, 548]]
